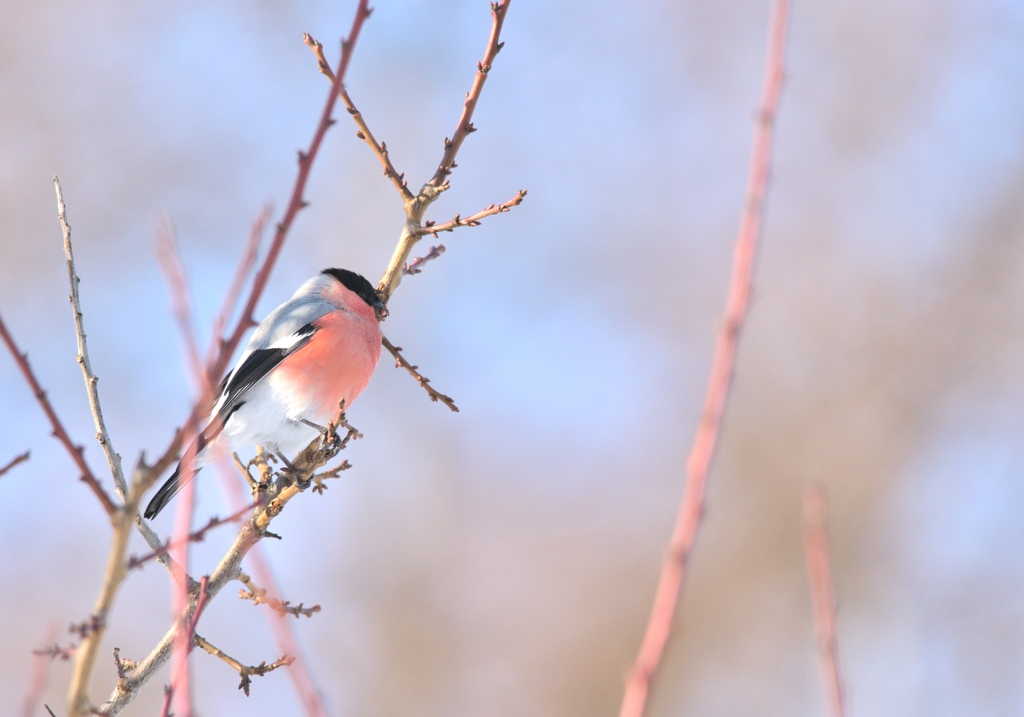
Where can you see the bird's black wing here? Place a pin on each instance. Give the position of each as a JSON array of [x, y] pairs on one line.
[[255, 367]]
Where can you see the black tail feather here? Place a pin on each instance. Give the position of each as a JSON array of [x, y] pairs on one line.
[[167, 491]]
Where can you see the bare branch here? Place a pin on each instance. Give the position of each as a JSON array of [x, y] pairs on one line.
[[400, 362], [15, 461], [259, 596], [659, 625], [465, 125], [113, 459], [59, 433], [243, 671], [823, 600], [363, 133], [473, 221]]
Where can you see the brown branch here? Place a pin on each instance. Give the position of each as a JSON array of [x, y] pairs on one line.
[[244, 671], [823, 600], [379, 150], [659, 626], [15, 461], [196, 536], [259, 596], [59, 433], [473, 221], [400, 362]]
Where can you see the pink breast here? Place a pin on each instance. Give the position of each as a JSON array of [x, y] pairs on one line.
[[336, 364]]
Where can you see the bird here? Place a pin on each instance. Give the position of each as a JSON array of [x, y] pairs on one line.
[[312, 352]]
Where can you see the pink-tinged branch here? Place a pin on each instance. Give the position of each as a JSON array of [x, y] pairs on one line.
[[40, 674], [430, 227], [670, 581], [15, 461], [59, 433], [196, 536], [416, 266], [823, 601], [400, 362], [169, 254], [465, 126], [245, 264]]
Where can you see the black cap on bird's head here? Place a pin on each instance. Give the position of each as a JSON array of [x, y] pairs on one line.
[[358, 284]]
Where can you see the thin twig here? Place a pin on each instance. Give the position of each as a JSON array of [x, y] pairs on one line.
[[113, 459], [400, 362], [823, 600], [165, 710], [465, 125], [379, 150], [472, 221], [169, 255], [259, 596], [659, 625], [15, 461], [244, 671], [196, 536], [59, 433], [416, 265]]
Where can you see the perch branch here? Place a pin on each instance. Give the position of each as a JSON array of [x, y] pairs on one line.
[[823, 600], [15, 461], [400, 362], [282, 489], [59, 433], [243, 671], [473, 221], [659, 626]]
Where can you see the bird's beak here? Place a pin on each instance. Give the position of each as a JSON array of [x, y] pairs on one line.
[[380, 310]]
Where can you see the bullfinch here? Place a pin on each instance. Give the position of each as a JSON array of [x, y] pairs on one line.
[[318, 348]]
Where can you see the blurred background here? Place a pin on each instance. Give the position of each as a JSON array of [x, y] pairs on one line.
[[502, 560]]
